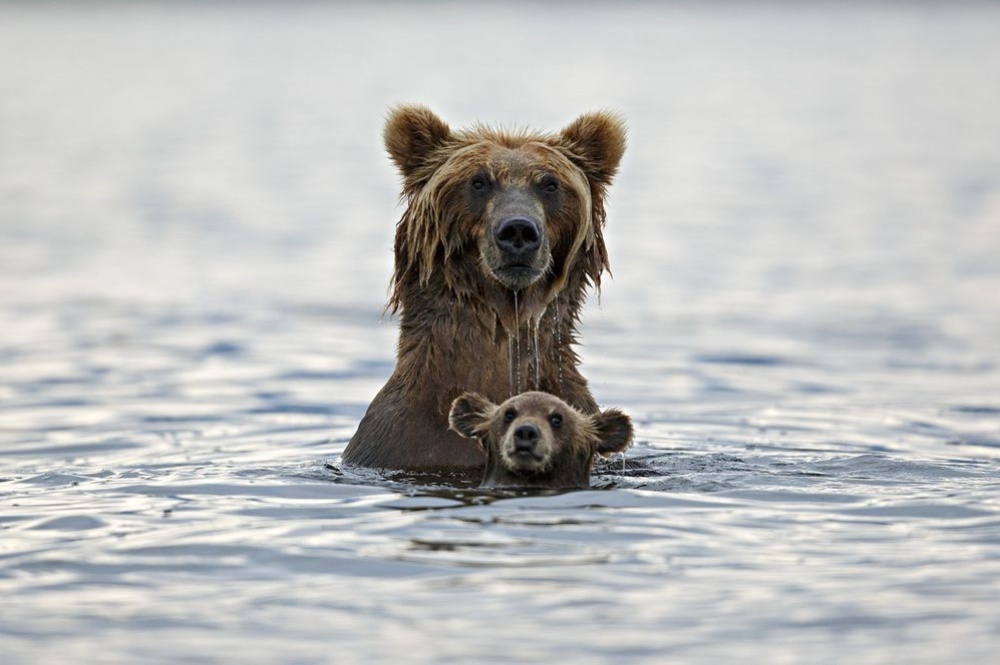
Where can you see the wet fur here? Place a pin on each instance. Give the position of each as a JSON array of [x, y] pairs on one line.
[[457, 323]]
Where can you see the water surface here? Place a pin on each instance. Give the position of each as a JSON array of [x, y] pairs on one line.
[[195, 233]]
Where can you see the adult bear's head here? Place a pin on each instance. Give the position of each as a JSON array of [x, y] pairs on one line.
[[523, 209]]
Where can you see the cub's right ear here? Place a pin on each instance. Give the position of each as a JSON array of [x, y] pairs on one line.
[[412, 133], [470, 415], [614, 431]]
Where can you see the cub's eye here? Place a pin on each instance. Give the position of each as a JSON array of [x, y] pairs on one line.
[[509, 416], [555, 420], [550, 185]]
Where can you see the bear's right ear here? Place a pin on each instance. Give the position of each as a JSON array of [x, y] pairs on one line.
[[470, 415], [412, 133], [596, 142]]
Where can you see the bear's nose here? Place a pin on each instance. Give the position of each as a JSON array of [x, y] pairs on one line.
[[525, 438], [518, 237]]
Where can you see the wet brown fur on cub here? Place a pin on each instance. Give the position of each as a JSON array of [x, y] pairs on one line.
[[501, 237], [537, 440]]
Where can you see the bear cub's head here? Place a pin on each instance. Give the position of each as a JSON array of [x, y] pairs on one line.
[[535, 439]]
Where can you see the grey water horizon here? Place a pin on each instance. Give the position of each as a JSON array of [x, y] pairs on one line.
[[196, 219]]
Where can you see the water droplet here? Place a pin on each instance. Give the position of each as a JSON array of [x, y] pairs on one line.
[[510, 361], [557, 347], [536, 353], [517, 344]]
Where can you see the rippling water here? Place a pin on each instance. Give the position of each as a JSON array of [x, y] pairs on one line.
[[195, 228]]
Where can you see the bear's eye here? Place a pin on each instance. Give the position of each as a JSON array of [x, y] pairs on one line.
[[479, 184], [509, 416], [550, 185], [556, 420]]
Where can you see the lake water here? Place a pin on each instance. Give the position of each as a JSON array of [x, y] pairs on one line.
[[196, 219]]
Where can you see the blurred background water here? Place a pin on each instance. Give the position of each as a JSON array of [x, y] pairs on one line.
[[196, 218]]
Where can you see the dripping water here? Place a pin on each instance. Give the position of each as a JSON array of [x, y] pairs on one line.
[[538, 361], [517, 346], [510, 361], [557, 347]]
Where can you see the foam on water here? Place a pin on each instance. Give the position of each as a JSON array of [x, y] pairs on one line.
[[195, 235]]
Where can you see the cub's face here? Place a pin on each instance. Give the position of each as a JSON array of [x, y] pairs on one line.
[[515, 206], [535, 439]]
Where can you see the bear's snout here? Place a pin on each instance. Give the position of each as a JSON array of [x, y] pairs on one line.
[[515, 243], [526, 438], [518, 254], [518, 238], [528, 446]]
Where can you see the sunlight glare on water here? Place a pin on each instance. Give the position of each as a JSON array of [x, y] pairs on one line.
[[196, 218]]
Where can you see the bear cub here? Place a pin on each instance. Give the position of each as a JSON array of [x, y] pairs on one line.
[[535, 439]]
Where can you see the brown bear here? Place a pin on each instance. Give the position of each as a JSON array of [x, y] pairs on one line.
[[537, 440], [501, 237]]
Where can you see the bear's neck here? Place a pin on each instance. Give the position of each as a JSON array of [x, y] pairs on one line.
[[495, 342]]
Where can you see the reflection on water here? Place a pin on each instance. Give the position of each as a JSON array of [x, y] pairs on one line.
[[195, 232]]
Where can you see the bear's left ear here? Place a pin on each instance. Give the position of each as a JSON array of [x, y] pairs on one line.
[[412, 133], [469, 413], [614, 431], [596, 142]]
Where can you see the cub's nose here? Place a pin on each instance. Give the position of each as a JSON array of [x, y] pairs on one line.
[[518, 237], [525, 438]]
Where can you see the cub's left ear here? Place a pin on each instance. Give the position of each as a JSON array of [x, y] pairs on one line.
[[470, 414], [614, 431], [596, 142]]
